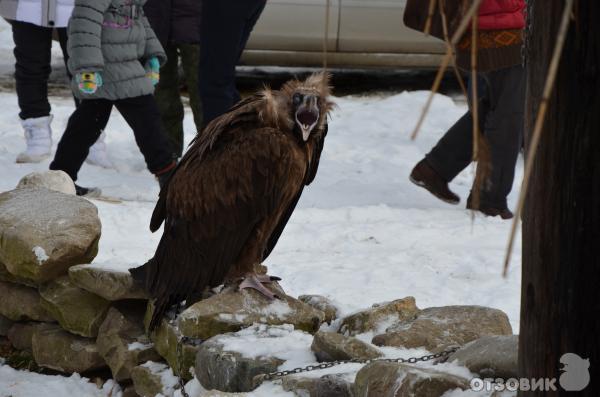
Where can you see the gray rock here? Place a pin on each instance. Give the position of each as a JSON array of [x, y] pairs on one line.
[[331, 346], [323, 304], [58, 181], [62, 351], [122, 342], [45, 232], [334, 385], [230, 371], [179, 355], [76, 310], [110, 284], [382, 379], [379, 317], [300, 386], [5, 324], [438, 327], [20, 334], [490, 356], [152, 378], [21, 303], [231, 311], [129, 391]]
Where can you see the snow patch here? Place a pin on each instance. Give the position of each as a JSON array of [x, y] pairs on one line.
[[138, 346], [280, 341], [40, 254], [167, 378]]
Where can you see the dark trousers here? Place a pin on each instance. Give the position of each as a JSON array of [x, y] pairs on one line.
[[501, 103], [225, 27], [84, 127], [168, 95], [33, 45]]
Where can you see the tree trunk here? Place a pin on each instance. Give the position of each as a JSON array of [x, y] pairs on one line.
[[560, 293]]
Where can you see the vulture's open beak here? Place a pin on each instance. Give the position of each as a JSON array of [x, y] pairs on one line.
[[307, 115]]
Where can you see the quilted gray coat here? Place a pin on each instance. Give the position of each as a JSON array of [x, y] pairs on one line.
[[114, 38]]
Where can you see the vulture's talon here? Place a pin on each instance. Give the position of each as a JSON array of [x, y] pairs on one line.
[[255, 282]]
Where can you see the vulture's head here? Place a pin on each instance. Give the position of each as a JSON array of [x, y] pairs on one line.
[[303, 105]]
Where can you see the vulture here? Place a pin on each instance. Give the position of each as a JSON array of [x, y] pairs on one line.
[[231, 195]]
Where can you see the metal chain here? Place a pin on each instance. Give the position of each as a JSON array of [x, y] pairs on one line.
[[179, 357], [308, 368]]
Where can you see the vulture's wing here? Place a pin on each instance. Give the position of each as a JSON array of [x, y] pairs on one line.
[[244, 111], [310, 176], [218, 195]]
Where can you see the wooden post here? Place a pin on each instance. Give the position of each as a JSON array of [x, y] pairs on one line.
[[560, 293]]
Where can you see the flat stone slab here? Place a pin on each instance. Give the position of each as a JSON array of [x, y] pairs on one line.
[[490, 356], [382, 379], [439, 327], [5, 325], [20, 335], [379, 317], [111, 283], [5, 275], [323, 304], [180, 355], [230, 362], [232, 310], [62, 351], [21, 303], [331, 346], [76, 310], [152, 378], [122, 342], [44, 232]]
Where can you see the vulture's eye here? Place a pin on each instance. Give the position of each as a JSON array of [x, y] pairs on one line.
[[297, 99]]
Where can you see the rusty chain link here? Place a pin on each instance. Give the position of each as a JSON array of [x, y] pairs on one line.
[[315, 367]]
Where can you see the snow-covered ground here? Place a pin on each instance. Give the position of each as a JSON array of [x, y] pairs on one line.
[[362, 232]]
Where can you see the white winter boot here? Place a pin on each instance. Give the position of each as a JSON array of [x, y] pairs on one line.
[[38, 136], [98, 155]]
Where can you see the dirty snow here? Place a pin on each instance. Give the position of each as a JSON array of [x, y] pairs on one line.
[[362, 233]]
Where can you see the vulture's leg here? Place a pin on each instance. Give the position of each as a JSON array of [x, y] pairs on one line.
[[255, 281]]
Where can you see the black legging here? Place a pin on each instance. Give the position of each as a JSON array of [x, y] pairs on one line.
[[83, 129], [225, 27]]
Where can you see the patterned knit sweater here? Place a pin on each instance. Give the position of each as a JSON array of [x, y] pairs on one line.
[[496, 49]]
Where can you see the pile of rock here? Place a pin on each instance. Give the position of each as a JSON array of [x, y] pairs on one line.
[[76, 317]]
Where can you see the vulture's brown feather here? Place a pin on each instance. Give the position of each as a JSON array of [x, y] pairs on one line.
[[233, 192]]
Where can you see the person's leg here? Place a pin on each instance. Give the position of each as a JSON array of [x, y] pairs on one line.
[[168, 100], [225, 27], [190, 56], [98, 154], [143, 116], [503, 131], [82, 131], [454, 151], [32, 68]]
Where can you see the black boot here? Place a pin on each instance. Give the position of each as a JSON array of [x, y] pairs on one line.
[[504, 213], [425, 176], [90, 192]]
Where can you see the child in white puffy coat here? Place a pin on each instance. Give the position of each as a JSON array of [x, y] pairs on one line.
[[33, 22]]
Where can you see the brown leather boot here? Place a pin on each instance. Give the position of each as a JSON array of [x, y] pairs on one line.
[[504, 213], [425, 176]]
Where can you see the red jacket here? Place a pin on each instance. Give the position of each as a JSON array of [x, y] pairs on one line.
[[502, 14]]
